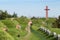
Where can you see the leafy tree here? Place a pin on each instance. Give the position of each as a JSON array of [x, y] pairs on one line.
[[56, 24], [9, 16], [33, 17], [14, 15], [23, 17], [3, 14]]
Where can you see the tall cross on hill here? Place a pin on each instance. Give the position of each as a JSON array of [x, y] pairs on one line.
[[47, 12]]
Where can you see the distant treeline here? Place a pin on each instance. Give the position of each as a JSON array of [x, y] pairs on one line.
[[5, 14]]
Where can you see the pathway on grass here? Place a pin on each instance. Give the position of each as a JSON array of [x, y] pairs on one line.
[[29, 32], [35, 35]]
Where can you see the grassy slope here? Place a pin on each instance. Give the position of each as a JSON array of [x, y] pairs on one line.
[[4, 35], [2, 25], [23, 22], [35, 35], [12, 28]]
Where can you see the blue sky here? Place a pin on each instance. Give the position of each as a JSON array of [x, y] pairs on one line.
[[31, 8]]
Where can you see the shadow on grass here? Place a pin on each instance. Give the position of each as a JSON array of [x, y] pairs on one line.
[[37, 34], [42, 35], [48, 37]]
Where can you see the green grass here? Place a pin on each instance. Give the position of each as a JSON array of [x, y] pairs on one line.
[[12, 32], [5, 36], [38, 35], [12, 29], [23, 22], [49, 26], [2, 25]]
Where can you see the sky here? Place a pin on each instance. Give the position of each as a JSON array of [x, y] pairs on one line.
[[31, 8]]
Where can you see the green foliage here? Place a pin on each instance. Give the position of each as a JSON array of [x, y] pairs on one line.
[[34, 17], [14, 15], [23, 21], [56, 24], [5, 14], [12, 32], [12, 28], [8, 23], [5, 36], [2, 25], [9, 16]]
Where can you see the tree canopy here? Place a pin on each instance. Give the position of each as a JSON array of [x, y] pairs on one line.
[[5, 14], [56, 24]]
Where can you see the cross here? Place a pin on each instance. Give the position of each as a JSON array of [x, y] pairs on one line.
[[47, 12]]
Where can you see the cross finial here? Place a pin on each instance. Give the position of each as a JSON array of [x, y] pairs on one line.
[[47, 12]]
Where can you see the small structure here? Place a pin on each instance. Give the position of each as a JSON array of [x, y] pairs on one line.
[[18, 26]]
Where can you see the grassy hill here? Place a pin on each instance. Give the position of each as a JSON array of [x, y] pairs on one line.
[[12, 33], [12, 29]]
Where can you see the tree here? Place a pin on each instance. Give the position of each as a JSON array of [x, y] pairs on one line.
[[14, 15], [9, 16], [0, 13], [33, 17], [3, 14], [57, 23]]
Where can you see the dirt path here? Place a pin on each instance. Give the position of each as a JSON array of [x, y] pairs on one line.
[[28, 34]]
